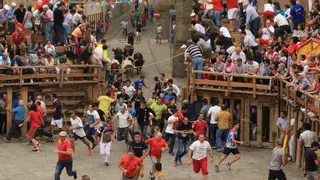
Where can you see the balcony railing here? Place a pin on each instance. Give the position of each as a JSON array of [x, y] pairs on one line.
[[76, 76], [226, 83]]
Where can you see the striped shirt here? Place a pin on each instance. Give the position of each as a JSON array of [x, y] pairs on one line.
[[194, 51]]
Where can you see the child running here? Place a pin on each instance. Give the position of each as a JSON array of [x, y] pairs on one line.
[[231, 147]]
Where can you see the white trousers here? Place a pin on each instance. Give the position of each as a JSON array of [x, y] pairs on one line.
[[105, 150]]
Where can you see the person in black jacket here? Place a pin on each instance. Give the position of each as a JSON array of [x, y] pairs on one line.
[[143, 117], [58, 20]]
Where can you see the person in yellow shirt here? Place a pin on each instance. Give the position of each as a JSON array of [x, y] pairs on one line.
[[152, 99], [105, 52], [105, 101], [159, 109], [224, 118]]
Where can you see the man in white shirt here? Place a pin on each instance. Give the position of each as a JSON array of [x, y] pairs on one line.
[[175, 88], [225, 32], [172, 120], [213, 125], [238, 54], [307, 137], [199, 151], [183, 49], [283, 25], [78, 132], [249, 41], [129, 88], [198, 27], [93, 123], [252, 66], [267, 31], [125, 122], [124, 26]]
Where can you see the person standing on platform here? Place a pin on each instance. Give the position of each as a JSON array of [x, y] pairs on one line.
[[64, 156]]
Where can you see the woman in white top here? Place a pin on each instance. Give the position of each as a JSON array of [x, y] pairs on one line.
[[268, 12], [49, 48], [27, 24], [299, 32]]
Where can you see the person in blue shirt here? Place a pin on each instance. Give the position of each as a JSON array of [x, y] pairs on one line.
[[151, 12], [131, 111], [169, 96], [16, 99], [11, 24], [297, 13], [19, 117], [5, 62], [138, 84], [119, 104]]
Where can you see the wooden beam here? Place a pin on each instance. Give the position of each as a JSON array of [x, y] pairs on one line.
[[242, 119], [295, 141], [259, 125], [254, 88], [275, 117], [231, 110], [24, 94], [247, 123], [272, 128], [9, 105]]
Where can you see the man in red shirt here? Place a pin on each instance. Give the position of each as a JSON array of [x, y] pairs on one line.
[[18, 37], [218, 11], [232, 6], [129, 165], [65, 156], [200, 127], [157, 145]]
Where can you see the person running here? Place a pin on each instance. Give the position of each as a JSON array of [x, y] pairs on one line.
[[93, 124], [139, 147], [157, 146], [107, 135], [170, 134], [129, 165], [19, 117], [143, 118], [130, 37], [198, 153], [78, 132], [105, 101], [224, 119], [56, 116], [64, 156], [123, 118], [35, 120], [184, 130], [277, 159], [231, 147], [200, 127]]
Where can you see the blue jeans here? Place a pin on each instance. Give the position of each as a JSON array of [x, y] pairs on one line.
[[61, 164], [254, 27], [182, 144], [217, 17], [213, 133], [48, 31], [197, 63], [14, 129], [222, 135], [66, 31]]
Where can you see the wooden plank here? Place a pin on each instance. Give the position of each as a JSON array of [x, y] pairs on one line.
[[247, 123], [295, 141], [231, 111], [243, 107], [9, 105], [90, 93], [276, 116], [272, 127], [259, 125], [254, 88], [24, 95], [95, 92], [239, 84]]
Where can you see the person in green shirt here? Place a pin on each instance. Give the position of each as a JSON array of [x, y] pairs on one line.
[[152, 99], [157, 122], [63, 60]]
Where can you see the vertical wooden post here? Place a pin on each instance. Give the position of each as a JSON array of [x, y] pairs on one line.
[[247, 123], [242, 119], [254, 87], [61, 76], [272, 128], [24, 94], [231, 110], [90, 93], [259, 125], [9, 105], [188, 79], [276, 116]]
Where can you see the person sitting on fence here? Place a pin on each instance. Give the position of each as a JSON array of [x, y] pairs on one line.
[[63, 60], [239, 68], [23, 61]]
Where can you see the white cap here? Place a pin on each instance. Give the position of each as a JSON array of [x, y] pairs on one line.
[[183, 46], [13, 4], [6, 7], [45, 7], [63, 133], [192, 14]]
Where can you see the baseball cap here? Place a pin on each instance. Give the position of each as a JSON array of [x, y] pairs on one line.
[[63, 133], [183, 46], [193, 14], [13, 4], [6, 7], [45, 7]]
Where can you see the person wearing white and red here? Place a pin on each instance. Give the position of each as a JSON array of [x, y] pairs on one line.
[[35, 120], [232, 6], [157, 146], [199, 151], [231, 147], [65, 156], [267, 31], [130, 165], [200, 127], [218, 11], [268, 12]]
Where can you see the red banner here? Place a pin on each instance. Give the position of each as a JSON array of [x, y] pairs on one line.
[[41, 3]]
